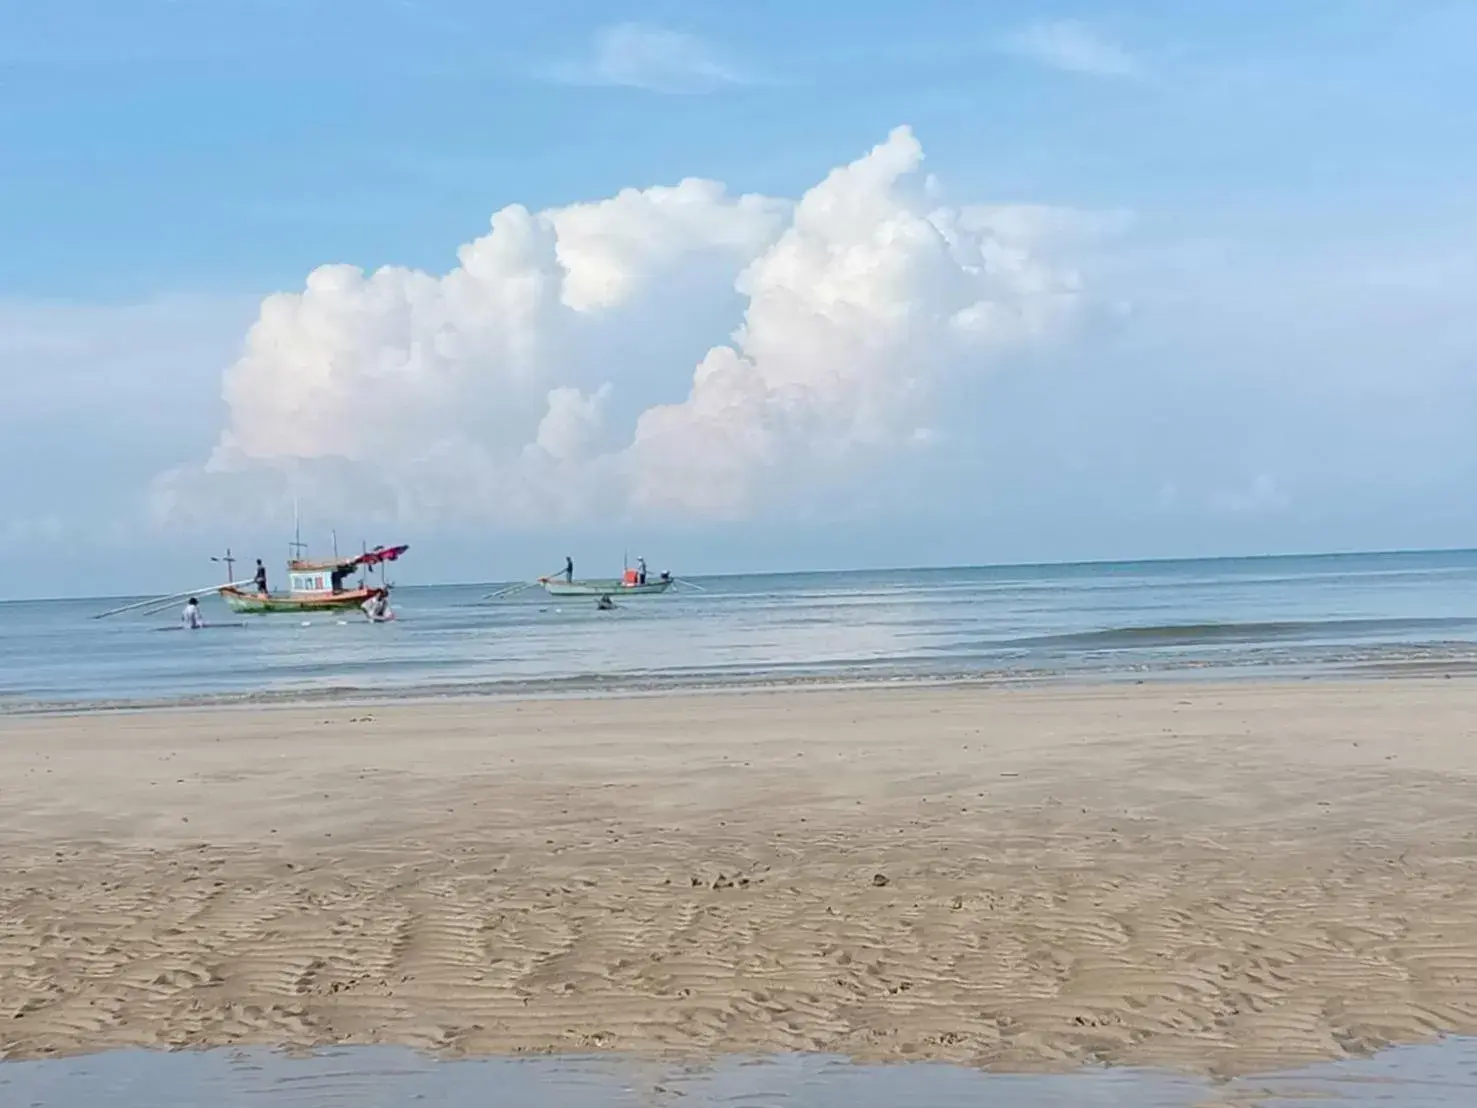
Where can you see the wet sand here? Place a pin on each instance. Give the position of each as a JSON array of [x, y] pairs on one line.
[[1208, 879]]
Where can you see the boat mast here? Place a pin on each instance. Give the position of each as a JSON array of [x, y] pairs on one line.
[[297, 545], [230, 564]]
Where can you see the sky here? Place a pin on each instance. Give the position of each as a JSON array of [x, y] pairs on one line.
[[736, 287]]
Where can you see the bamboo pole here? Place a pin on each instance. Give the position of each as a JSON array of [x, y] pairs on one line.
[[164, 601]]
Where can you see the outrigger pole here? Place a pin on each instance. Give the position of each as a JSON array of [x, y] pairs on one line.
[[166, 600], [522, 586]]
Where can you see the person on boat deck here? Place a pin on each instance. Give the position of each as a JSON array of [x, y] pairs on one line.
[[569, 569], [338, 576], [191, 617], [261, 577], [640, 571]]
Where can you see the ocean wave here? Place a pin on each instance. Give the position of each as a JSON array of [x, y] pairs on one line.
[[1262, 631]]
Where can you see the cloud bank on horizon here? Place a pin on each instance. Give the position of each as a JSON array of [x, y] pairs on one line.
[[567, 361]]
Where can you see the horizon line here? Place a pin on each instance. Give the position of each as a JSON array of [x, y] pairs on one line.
[[1051, 564]]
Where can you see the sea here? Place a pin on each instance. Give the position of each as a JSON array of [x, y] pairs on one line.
[[1343, 614], [1440, 1074]]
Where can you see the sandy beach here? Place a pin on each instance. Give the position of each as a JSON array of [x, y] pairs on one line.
[[1209, 878]]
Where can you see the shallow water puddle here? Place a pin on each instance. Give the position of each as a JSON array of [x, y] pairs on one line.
[[1439, 1074]]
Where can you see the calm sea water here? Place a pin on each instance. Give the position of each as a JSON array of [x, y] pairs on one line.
[[1112, 620], [1433, 1075]]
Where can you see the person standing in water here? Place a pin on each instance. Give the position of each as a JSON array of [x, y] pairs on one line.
[[191, 616], [377, 607], [569, 569], [261, 577]]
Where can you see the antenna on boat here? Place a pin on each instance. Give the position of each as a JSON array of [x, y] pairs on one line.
[[230, 564], [334, 533]]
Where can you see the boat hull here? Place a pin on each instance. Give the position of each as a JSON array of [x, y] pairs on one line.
[[255, 603], [559, 587]]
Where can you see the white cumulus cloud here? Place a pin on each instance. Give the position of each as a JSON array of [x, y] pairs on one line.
[[553, 367]]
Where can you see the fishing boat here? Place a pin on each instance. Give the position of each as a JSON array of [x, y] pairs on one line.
[[628, 586], [317, 586], [313, 586], [631, 582]]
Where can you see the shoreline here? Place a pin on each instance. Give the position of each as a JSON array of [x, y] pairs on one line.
[[1205, 877], [592, 688]]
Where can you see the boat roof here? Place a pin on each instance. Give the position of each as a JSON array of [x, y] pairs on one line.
[[369, 558], [306, 565]]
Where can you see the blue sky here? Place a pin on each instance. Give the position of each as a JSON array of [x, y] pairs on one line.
[[1275, 233]]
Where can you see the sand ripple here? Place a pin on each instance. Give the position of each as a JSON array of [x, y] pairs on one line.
[[1225, 880]]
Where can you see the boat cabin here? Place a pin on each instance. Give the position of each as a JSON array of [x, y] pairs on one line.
[[319, 577]]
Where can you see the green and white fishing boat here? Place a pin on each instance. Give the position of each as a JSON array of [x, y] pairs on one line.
[[559, 586]]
